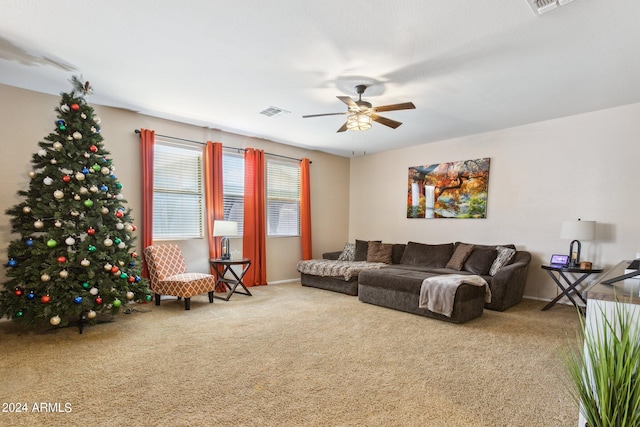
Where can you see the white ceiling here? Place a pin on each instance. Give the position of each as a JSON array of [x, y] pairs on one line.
[[469, 66]]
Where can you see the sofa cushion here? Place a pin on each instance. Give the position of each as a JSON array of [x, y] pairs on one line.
[[460, 255], [362, 246], [379, 252], [504, 256], [480, 260], [427, 255], [348, 253]]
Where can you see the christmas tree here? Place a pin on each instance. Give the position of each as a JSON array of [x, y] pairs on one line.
[[75, 256]]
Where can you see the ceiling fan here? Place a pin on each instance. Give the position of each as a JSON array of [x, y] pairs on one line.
[[360, 113]]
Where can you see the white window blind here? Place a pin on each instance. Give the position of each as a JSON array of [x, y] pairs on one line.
[[233, 188], [177, 192], [283, 198]]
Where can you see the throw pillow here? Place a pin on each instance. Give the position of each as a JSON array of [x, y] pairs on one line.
[[435, 256], [460, 255], [348, 253], [379, 252], [480, 261], [504, 256], [361, 250]]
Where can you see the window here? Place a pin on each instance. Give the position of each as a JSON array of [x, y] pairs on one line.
[[283, 198], [177, 192], [233, 188]]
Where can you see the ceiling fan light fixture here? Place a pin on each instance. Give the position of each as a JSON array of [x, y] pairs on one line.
[[358, 121]]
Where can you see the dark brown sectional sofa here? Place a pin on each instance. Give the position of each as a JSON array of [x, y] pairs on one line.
[[397, 285]]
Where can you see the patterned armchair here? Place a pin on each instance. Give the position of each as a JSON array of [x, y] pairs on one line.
[[168, 275]]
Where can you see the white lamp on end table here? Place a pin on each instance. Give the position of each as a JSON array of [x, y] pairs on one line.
[[225, 229]]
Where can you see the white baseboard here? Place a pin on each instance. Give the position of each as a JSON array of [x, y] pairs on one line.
[[277, 282], [563, 301]]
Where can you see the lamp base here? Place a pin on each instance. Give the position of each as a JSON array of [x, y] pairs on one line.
[[225, 253], [574, 255]]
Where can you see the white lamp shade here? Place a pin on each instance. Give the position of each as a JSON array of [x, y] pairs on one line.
[[225, 228], [578, 230]]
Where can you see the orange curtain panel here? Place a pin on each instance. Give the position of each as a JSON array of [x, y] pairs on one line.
[[213, 193], [147, 141], [254, 238], [305, 210]]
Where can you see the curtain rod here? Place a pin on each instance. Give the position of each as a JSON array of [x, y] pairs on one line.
[[230, 148]]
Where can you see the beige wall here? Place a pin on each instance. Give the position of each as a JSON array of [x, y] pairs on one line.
[[27, 117], [541, 174]]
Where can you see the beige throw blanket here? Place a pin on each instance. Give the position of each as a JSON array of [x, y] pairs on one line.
[[437, 293]]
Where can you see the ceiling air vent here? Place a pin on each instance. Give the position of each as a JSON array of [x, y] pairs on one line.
[[274, 111], [541, 6]]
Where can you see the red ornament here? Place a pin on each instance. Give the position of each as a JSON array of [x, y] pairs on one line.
[[66, 178], [17, 292], [93, 148], [45, 299], [119, 214], [98, 300], [134, 255], [133, 227], [91, 231], [131, 279], [75, 107], [114, 269], [62, 259]]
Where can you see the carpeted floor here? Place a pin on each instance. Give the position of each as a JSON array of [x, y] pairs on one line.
[[292, 356]]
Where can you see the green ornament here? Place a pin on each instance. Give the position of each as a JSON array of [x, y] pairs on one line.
[[88, 203], [52, 243], [96, 167], [19, 313], [92, 248], [119, 185], [62, 127], [85, 285], [117, 241], [117, 302], [123, 275], [147, 298]]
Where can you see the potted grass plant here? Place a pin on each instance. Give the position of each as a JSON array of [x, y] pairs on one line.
[[604, 370]]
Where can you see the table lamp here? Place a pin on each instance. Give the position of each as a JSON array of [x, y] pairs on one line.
[[576, 231], [225, 229]]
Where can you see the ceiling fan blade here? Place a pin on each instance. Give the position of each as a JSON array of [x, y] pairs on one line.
[[343, 128], [394, 107], [327, 114], [350, 102], [385, 121]]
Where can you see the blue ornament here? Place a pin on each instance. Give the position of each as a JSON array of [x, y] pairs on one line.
[[12, 262], [104, 188], [31, 295], [138, 279], [132, 264], [85, 170], [29, 242], [77, 300], [112, 176]]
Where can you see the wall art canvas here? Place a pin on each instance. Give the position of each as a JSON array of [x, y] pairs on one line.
[[449, 190]]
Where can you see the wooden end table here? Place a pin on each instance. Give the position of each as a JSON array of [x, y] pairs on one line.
[[232, 283], [557, 273]]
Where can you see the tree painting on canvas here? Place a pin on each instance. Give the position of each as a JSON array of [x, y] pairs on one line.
[[449, 190]]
